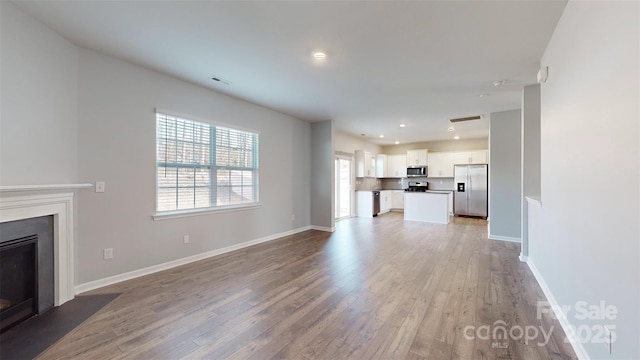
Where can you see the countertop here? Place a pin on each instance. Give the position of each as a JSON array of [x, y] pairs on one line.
[[382, 190], [430, 192], [413, 192]]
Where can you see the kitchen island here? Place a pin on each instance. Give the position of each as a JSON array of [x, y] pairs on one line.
[[430, 206]]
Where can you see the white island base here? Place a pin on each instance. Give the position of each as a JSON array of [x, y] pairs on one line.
[[427, 207]]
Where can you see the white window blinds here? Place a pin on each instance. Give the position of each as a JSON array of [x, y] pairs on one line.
[[204, 166]]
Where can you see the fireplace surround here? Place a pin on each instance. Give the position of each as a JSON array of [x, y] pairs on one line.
[[57, 201]]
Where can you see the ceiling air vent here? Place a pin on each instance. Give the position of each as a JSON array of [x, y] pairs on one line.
[[220, 80], [478, 117]]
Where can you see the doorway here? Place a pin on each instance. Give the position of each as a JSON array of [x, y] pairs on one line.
[[343, 187]]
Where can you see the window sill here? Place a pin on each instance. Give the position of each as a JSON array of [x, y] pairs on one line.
[[166, 215]]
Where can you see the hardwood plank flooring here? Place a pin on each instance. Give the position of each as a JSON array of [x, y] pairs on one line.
[[378, 288]]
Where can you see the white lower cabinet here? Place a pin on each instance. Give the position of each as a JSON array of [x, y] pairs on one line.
[[397, 199], [385, 201], [364, 204]]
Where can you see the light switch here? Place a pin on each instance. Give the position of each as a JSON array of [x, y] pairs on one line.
[[100, 186]]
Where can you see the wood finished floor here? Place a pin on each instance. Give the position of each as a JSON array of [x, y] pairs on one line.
[[377, 288]]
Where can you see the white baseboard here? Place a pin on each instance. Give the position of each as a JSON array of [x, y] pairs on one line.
[[322, 228], [174, 263], [564, 323], [504, 238], [523, 258]]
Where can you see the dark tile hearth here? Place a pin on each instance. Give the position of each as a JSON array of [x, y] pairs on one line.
[[32, 337]]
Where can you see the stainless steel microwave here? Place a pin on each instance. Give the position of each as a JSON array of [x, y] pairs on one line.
[[419, 171]]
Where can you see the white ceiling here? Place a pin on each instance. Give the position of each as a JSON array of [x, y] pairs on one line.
[[419, 63]]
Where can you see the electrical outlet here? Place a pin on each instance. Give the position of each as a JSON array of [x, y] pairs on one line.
[[186, 239], [107, 253], [100, 186]]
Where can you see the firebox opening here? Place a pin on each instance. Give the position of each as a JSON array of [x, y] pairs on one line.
[[26, 269], [18, 281]]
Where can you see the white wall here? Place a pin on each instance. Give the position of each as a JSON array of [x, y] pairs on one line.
[[322, 175], [349, 144], [38, 106], [589, 247], [442, 145], [117, 145], [505, 196]]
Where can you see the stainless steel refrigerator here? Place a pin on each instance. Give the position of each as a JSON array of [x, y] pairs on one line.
[[471, 190]]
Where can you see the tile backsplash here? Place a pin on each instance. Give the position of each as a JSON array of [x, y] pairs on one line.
[[401, 184], [368, 183]]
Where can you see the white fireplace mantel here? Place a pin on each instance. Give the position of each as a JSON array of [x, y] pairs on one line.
[[44, 200], [46, 187]]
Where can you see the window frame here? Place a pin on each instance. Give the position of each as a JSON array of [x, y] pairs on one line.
[[212, 168]]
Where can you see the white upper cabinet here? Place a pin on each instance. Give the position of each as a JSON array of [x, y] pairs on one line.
[[365, 164], [396, 166], [440, 164], [382, 168], [479, 157], [471, 157], [417, 157]]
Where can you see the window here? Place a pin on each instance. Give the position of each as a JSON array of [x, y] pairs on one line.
[[204, 166]]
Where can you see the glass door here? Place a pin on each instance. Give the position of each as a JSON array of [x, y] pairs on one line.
[[343, 188]]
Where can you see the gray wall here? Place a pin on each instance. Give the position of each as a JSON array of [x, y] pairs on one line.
[[90, 117], [530, 155], [505, 195], [117, 145], [322, 175], [38, 106], [531, 140], [589, 245]]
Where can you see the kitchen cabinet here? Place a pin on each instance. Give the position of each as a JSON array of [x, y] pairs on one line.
[[364, 204], [381, 166], [426, 207], [365, 164], [471, 157], [441, 164], [396, 166], [385, 201], [417, 157], [397, 199]]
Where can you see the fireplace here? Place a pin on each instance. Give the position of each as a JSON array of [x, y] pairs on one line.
[[55, 202], [26, 269], [18, 281]]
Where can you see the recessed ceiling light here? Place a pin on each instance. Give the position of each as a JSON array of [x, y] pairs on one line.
[[456, 137], [403, 125], [483, 95], [319, 55], [380, 136], [397, 142], [499, 83], [451, 128]]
